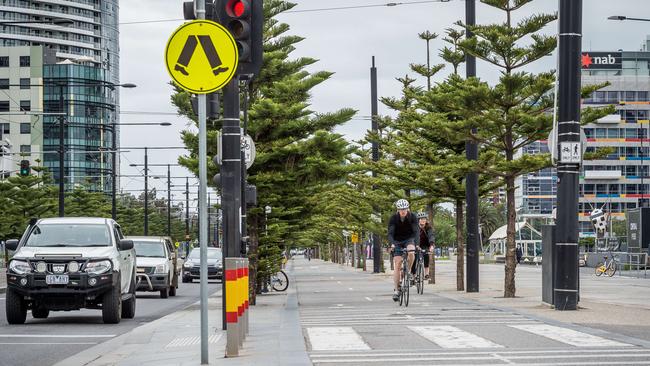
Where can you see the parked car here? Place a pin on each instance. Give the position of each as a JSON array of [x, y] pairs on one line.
[[63, 264], [157, 265], [192, 265]]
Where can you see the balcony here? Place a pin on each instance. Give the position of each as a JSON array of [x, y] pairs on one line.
[[603, 174]]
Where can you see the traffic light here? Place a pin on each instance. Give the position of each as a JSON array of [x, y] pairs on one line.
[[244, 19], [189, 12], [24, 168]]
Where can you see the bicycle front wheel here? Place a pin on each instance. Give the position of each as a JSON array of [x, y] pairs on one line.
[[611, 269], [280, 281], [420, 277], [599, 269]]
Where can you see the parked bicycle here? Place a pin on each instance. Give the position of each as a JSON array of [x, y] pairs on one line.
[[279, 281], [608, 267]]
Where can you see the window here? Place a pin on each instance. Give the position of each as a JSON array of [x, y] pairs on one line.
[[24, 61], [4, 61], [4, 83], [4, 106], [25, 128], [5, 128], [601, 133], [612, 97], [25, 148], [612, 133], [25, 105], [24, 83], [642, 96], [630, 96]]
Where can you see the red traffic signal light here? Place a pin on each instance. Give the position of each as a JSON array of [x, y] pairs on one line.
[[238, 8], [244, 19]]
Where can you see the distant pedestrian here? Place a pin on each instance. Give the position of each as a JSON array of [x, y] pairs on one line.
[[520, 254]]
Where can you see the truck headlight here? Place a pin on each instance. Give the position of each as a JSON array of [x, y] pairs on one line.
[[98, 267], [19, 267], [161, 268], [188, 265]]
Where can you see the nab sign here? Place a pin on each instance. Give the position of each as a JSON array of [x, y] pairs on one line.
[[601, 61]]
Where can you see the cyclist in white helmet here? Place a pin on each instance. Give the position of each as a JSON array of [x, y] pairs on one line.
[[403, 231]]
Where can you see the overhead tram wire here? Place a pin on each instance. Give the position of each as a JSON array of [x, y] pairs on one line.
[[391, 4]]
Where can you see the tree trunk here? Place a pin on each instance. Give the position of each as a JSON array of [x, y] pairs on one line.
[[432, 255], [511, 262], [460, 242], [252, 258]]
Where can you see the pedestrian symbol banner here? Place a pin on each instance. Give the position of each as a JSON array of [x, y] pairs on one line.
[[201, 56]]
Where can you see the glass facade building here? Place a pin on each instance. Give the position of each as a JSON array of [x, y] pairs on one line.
[[620, 180], [83, 68]]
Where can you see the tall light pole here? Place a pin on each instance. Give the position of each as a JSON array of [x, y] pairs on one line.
[[62, 119], [471, 182]]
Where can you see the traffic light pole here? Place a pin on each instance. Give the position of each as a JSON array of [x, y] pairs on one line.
[[231, 176], [376, 240], [169, 201], [471, 182], [566, 245], [244, 228]]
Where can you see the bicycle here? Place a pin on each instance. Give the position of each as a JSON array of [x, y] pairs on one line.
[[405, 282], [279, 281], [419, 270], [608, 267]]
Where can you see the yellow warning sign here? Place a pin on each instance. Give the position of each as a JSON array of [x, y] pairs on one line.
[[201, 56]]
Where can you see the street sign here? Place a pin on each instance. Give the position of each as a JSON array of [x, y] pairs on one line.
[[552, 143], [355, 237], [201, 56], [248, 147], [570, 152]]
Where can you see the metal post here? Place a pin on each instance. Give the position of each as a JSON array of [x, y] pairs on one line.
[[244, 231], [61, 154], [471, 182], [376, 240], [146, 192], [208, 218], [169, 201], [187, 211], [231, 177], [566, 275], [114, 177]]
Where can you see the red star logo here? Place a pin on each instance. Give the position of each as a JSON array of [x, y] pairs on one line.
[[586, 60]]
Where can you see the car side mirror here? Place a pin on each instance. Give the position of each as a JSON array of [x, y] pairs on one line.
[[11, 244], [126, 244]]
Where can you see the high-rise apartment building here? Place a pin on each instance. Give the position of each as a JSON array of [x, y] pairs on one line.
[[78, 80]]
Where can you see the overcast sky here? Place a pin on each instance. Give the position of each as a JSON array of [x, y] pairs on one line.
[[344, 41]]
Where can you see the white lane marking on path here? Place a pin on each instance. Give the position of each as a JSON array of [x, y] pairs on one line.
[[369, 299], [451, 337], [57, 336], [568, 336], [335, 339], [47, 343], [191, 341]]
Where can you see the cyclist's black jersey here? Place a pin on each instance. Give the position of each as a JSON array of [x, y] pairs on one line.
[[426, 237], [401, 230]]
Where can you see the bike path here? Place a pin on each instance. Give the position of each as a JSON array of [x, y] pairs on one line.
[[349, 318]]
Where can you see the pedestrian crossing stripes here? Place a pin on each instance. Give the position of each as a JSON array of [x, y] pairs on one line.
[[335, 339], [568, 336], [452, 337]]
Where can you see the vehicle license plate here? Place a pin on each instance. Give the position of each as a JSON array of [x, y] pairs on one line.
[[57, 279], [140, 270]]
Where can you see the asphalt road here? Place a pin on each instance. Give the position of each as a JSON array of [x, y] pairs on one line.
[[63, 334], [349, 318]]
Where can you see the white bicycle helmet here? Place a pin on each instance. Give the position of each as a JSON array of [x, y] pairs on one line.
[[422, 215], [402, 204]]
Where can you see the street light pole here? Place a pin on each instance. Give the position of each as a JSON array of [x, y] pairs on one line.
[[146, 192], [169, 200], [187, 210], [61, 154], [377, 257]]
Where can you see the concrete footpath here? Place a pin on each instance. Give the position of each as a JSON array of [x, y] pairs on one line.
[[275, 337], [615, 304]]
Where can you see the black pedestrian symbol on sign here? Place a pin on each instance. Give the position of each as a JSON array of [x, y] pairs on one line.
[[209, 50]]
